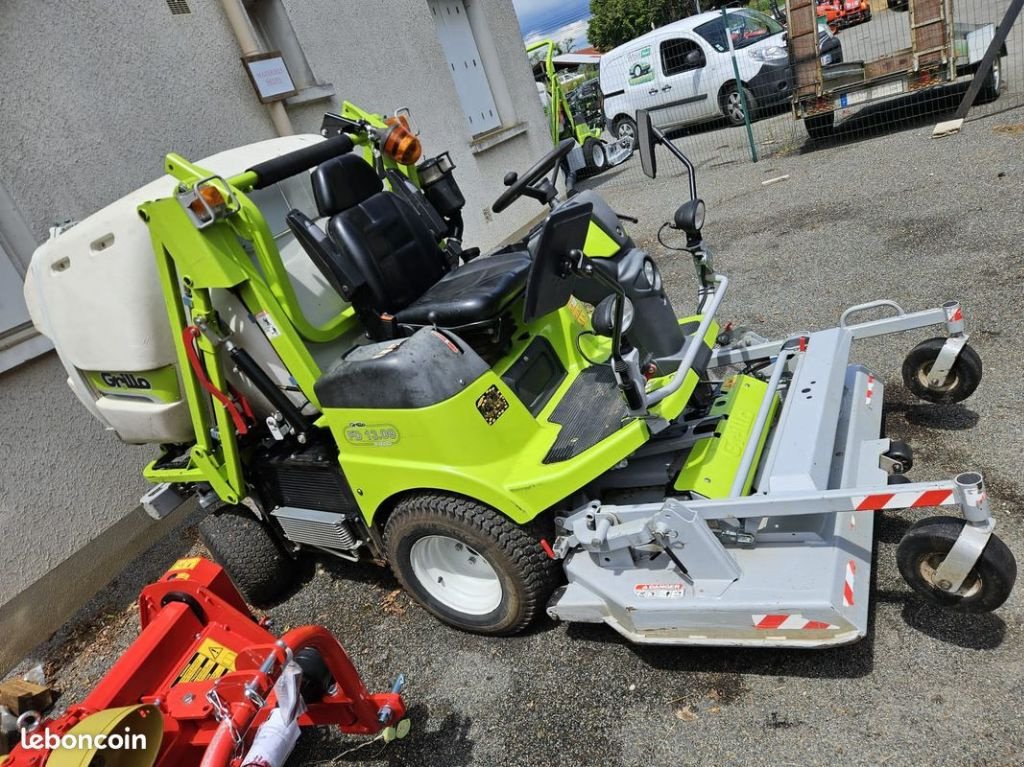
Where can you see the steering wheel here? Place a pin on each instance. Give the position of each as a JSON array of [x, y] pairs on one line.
[[520, 185]]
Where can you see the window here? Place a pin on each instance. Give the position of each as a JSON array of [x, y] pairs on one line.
[[746, 27], [455, 32], [680, 55]]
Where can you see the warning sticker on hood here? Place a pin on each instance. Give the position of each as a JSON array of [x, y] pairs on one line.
[[659, 590]]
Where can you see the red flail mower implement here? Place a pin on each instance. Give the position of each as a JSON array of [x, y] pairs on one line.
[[207, 684]]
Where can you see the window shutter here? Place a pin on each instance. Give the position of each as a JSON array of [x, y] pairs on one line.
[[464, 63]]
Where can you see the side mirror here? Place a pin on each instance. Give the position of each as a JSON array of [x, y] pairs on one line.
[[646, 138]]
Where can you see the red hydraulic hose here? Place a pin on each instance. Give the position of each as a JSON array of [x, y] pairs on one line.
[[188, 336]]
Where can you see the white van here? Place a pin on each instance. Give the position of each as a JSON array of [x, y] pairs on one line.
[[683, 72]]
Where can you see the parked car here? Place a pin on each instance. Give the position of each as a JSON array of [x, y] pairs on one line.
[[683, 72]]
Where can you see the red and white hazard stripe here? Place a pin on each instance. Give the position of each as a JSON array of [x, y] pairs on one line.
[[870, 391], [851, 571], [954, 313], [788, 623], [901, 500]]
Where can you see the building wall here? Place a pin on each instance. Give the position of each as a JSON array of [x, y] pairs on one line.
[[386, 55], [93, 95]]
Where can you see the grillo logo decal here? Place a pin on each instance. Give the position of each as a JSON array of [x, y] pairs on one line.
[[371, 435], [125, 381]]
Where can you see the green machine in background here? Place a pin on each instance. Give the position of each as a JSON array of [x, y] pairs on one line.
[[592, 154]]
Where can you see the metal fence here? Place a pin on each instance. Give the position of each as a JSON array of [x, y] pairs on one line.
[[882, 69]]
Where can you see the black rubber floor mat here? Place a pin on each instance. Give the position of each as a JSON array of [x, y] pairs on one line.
[[591, 410]]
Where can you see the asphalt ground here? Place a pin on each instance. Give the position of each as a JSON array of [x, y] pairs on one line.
[[900, 216]]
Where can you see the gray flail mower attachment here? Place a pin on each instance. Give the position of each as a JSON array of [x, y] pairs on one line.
[[788, 566]]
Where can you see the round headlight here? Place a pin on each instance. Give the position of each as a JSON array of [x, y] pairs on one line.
[[627, 315], [698, 215], [650, 272]]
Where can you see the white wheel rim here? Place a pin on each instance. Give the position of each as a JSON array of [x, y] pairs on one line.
[[455, 575], [626, 129], [599, 156]]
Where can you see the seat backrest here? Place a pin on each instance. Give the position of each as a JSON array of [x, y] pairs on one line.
[[393, 249], [342, 183], [325, 254]]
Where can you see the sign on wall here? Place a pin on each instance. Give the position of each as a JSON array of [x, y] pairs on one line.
[[269, 75]]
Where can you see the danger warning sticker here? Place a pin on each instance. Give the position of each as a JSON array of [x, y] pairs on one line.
[[210, 661], [186, 564], [270, 330], [659, 590]]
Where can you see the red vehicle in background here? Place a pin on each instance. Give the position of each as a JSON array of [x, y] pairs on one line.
[[844, 13]]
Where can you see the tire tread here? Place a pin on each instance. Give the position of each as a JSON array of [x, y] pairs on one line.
[[536, 570], [253, 559]]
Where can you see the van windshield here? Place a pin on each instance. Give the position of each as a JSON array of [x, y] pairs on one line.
[[746, 27]]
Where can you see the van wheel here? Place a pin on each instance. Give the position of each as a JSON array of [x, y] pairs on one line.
[[624, 127], [732, 104]]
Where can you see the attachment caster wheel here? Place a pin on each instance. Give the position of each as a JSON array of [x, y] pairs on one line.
[[961, 381], [901, 456], [926, 545]]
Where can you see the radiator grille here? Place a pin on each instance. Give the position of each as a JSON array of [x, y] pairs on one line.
[[316, 528]]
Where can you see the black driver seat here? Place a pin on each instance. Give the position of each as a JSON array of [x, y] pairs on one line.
[[382, 258]]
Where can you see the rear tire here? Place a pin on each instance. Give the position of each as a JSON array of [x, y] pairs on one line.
[[469, 565], [732, 104], [820, 127], [924, 547], [249, 553]]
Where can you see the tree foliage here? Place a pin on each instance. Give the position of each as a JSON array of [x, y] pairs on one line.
[[614, 22]]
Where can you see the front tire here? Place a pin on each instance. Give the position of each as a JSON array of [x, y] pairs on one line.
[[732, 104], [250, 554], [961, 380], [595, 155], [469, 565], [926, 545]]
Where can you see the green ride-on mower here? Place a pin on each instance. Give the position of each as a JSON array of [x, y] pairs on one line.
[[534, 430], [590, 153]]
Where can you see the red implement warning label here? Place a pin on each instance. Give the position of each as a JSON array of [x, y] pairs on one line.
[[210, 661], [659, 590]]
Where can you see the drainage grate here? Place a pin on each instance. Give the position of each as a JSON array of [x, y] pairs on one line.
[[178, 7]]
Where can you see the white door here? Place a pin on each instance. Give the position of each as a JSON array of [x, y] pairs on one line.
[[467, 70], [683, 84], [13, 313]]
